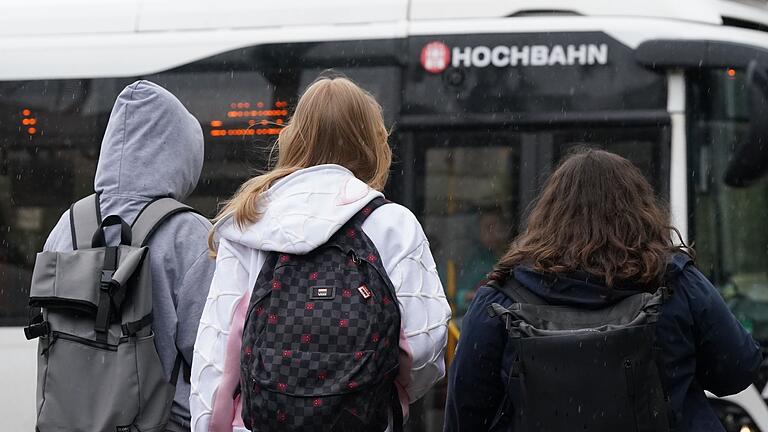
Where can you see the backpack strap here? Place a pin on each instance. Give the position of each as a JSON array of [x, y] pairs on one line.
[[357, 220], [84, 220], [517, 292], [152, 216], [366, 211], [180, 366], [149, 219]]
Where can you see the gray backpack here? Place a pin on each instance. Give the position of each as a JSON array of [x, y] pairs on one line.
[[98, 369]]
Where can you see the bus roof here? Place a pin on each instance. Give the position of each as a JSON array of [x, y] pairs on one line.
[[107, 41], [55, 17]]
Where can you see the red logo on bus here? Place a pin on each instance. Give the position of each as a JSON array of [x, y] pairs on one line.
[[435, 57]]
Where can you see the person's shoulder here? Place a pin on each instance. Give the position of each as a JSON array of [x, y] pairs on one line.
[[196, 219], [395, 222], [477, 319], [487, 295], [395, 212], [184, 229], [60, 237], [688, 281]]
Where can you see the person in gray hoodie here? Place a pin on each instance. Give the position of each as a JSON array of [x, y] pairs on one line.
[[153, 147]]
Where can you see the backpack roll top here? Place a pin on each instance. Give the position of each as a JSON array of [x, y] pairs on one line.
[[98, 368], [320, 342], [586, 369], [68, 286], [532, 320]]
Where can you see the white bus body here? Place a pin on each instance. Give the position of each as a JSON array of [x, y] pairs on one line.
[[62, 45]]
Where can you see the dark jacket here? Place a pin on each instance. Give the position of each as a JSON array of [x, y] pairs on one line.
[[703, 348]]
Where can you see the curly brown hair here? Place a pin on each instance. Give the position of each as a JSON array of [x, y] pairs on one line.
[[596, 214]]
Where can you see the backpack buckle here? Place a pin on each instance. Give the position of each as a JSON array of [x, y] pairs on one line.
[[105, 303], [36, 330], [106, 279]]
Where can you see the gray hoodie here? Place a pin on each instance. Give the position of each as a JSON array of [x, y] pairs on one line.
[[153, 147]]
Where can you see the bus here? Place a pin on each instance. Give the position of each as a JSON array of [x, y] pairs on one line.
[[481, 98]]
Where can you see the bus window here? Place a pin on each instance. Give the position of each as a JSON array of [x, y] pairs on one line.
[[240, 112], [243, 98], [728, 223], [50, 132]]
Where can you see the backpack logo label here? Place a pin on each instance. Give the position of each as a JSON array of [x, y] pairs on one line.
[[365, 292], [123, 429], [322, 293]]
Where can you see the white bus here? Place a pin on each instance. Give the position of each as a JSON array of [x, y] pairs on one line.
[[482, 97]]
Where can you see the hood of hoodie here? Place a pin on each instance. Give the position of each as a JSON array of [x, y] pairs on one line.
[[584, 290], [302, 211], [153, 147]]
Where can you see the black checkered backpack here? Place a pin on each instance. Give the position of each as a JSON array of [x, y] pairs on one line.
[[320, 341]]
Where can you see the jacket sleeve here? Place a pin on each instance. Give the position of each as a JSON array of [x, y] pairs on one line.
[[475, 385], [728, 358], [229, 285], [60, 237], [425, 312], [190, 301]]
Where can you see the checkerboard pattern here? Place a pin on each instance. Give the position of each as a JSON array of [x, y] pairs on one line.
[[322, 363]]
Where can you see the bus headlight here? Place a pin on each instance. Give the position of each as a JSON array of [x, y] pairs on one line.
[[733, 417]]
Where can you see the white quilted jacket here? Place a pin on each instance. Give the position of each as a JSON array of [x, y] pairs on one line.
[[302, 211]]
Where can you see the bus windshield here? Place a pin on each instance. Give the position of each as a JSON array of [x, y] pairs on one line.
[[728, 223]]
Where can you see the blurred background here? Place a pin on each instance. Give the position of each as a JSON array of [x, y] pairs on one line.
[[482, 97]]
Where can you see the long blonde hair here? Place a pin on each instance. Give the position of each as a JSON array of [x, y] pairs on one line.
[[335, 122]]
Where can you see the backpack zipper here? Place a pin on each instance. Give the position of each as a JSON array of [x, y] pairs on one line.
[[91, 343], [629, 371]]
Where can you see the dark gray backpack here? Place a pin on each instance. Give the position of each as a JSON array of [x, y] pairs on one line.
[[320, 341], [585, 369], [98, 369]]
